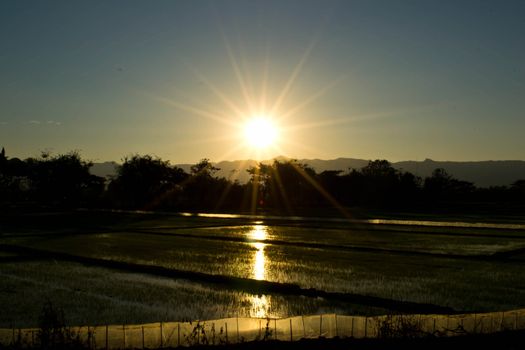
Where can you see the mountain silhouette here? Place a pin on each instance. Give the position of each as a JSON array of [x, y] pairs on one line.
[[481, 173]]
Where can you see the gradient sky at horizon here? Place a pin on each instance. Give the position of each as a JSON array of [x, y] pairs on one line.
[[397, 80]]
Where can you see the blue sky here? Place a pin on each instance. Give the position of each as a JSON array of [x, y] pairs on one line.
[[397, 80]]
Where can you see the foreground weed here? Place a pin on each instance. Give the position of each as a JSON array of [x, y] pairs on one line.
[[400, 326], [198, 335], [53, 333]]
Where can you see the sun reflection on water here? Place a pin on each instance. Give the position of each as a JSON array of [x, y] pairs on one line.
[[259, 261], [260, 303], [260, 306], [258, 232]]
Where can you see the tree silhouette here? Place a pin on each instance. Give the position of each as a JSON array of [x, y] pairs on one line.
[[63, 179], [517, 190], [380, 183], [442, 186], [204, 168], [14, 183], [203, 190], [3, 161], [145, 182], [283, 185]]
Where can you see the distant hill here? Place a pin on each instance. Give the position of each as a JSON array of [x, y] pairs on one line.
[[335, 164], [482, 173], [106, 169]]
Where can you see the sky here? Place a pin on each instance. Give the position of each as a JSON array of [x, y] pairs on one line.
[[396, 80]]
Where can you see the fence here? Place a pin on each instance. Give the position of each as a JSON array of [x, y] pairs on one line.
[[236, 330]]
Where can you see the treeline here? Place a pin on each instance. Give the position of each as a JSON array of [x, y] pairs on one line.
[[150, 183]]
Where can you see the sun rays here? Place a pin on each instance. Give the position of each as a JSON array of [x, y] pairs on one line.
[[260, 115]]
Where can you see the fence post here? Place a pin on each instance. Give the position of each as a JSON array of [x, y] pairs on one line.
[[237, 328], [304, 328], [90, 338], [366, 326], [291, 333], [352, 330], [226, 330], [161, 337], [320, 325], [336, 332], [275, 327], [178, 333]]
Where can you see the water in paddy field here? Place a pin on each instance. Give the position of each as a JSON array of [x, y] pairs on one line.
[[245, 267], [362, 221], [260, 304], [97, 295]]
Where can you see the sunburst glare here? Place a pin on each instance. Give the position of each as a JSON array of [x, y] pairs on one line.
[[259, 117], [262, 123], [260, 132]]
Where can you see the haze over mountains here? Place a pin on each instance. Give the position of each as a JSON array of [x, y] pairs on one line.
[[481, 173]]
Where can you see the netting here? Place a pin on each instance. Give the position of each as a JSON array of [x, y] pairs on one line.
[[237, 330]]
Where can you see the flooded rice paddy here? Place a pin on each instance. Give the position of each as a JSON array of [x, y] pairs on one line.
[[323, 268]]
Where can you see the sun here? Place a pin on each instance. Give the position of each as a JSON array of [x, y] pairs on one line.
[[260, 132]]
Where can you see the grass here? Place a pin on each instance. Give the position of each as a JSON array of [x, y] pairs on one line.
[[430, 279], [441, 266], [98, 296], [503, 341]]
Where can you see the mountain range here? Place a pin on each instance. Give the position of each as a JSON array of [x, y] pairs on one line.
[[481, 173]]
